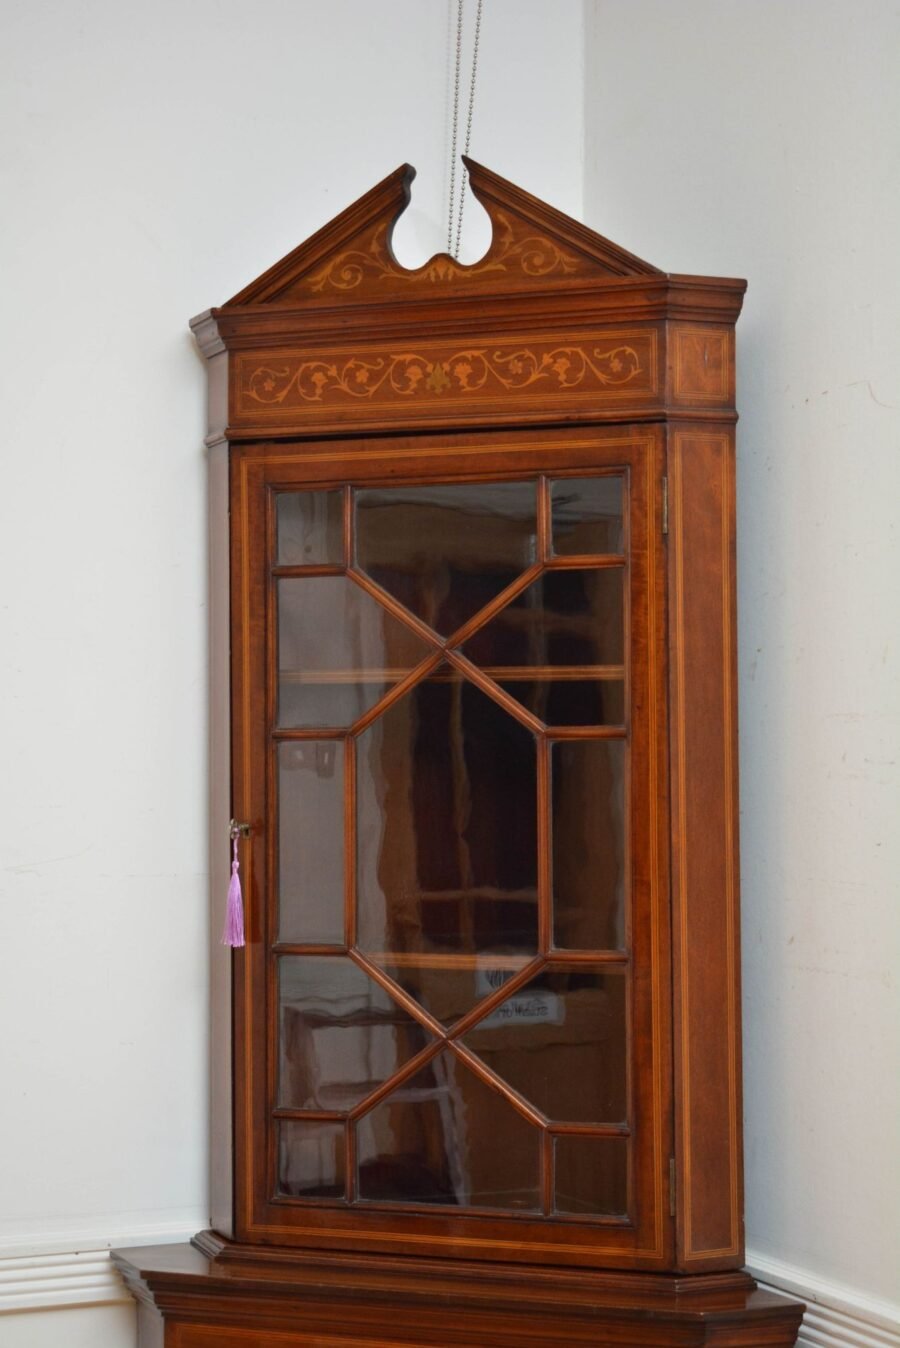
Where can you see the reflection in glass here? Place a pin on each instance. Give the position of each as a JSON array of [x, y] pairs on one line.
[[311, 842], [339, 651], [447, 843], [588, 795], [578, 701], [446, 550], [445, 1137], [560, 1042], [449, 993], [587, 515], [591, 1175], [310, 528], [341, 1034], [310, 1158], [565, 622]]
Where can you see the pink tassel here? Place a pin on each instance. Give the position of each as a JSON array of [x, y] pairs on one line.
[[233, 934]]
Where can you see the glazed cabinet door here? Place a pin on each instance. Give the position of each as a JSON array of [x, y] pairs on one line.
[[450, 1031]]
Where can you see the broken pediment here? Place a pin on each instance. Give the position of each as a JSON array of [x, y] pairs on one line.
[[351, 260]]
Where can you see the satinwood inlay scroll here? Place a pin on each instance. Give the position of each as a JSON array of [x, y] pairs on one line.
[[466, 371], [534, 254]]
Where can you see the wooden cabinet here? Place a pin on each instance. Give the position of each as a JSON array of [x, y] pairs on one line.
[[477, 1069]]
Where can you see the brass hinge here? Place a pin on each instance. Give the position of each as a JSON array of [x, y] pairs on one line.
[[671, 1186], [665, 505]]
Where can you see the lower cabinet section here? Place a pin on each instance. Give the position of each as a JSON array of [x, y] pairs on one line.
[[264, 1298]]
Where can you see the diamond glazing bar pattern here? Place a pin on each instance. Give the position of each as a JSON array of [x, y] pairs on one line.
[[500, 597]]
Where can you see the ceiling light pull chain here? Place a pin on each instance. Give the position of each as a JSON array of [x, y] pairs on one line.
[[451, 248], [459, 22], [462, 185]]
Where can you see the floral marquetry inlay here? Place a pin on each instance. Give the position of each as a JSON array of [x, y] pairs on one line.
[[534, 254], [464, 372]]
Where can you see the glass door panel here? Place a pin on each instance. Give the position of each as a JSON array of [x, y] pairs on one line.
[[310, 528], [311, 873], [451, 746], [339, 651], [558, 646], [590, 1176], [446, 549], [587, 516], [447, 827], [340, 1036], [587, 790], [448, 989], [311, 1160], [446, 1137], [559, 1042]]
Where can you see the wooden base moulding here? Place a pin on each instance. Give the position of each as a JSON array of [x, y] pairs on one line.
[[212, 1294]]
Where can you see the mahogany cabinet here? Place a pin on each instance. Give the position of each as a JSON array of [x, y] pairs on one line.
[[477, 1068]]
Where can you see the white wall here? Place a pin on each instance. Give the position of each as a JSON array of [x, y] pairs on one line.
[[69, 1327], [760, 139], [157, 158], [749, 137]]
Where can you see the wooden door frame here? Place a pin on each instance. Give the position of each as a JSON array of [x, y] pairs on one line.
[[491, 455]]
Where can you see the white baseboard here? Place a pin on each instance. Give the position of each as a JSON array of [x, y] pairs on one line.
[[45, 1281], [836, 1316], [74, 1269]]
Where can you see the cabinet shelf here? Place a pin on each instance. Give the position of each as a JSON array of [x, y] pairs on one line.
[[501, 673], [432, 960]]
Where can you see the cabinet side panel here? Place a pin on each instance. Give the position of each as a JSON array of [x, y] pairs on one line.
[[221, 1159], [705, 849]]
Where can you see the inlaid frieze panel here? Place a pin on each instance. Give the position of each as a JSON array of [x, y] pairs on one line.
[[294, 384], [516, 251]]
